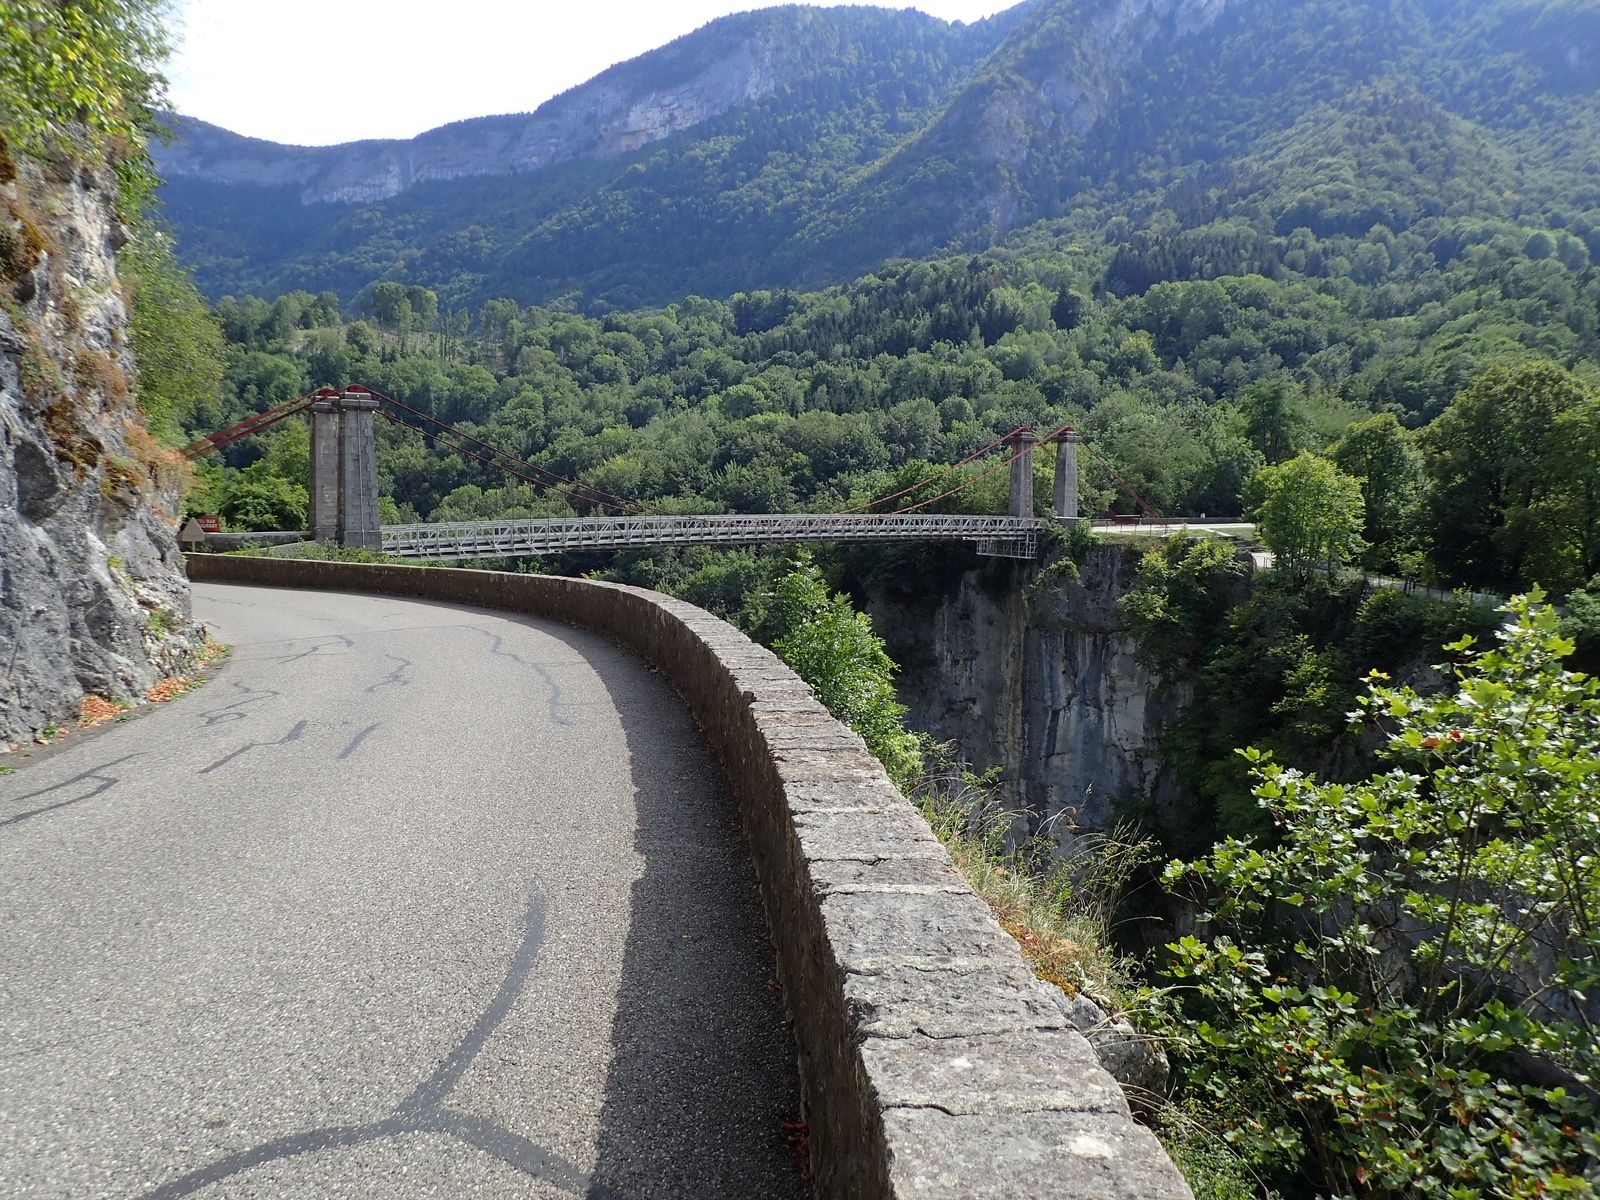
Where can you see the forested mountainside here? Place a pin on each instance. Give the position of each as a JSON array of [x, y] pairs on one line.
[[679, 171], [799, 147]]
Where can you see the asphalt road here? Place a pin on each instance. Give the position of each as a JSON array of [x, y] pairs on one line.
[[410, 900]]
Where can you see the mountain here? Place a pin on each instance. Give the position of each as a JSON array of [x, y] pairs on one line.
[[696, 157], [800, 146], [736, 62], [1106, 107]]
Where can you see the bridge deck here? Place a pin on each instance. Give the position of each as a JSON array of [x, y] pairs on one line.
[[1002, 537], [1006, 537]]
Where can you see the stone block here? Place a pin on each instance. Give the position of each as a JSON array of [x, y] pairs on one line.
[[905, 876], [904, 1000], [862, 794], [869, 930], [799, 765], [814, 736], [1051, 1070], [865, 835], [1042, 1156]]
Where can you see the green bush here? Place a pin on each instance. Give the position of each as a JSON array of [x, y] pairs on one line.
[[1395, 998], [833, 648], [88, 68], [1183, 594]]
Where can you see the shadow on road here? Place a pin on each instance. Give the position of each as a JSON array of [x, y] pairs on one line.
[[703, 1080]]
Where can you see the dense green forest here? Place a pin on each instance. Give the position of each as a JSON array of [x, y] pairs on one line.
[[1461, 391]]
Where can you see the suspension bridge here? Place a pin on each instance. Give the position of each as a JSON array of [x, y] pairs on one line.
[[344, 497]]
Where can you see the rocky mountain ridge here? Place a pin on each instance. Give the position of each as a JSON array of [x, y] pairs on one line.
[[732, 62], [798, 147]]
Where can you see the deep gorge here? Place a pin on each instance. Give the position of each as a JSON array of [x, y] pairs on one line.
[[1032, 669]]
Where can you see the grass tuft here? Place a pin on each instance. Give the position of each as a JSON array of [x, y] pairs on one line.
[[1060, 910]]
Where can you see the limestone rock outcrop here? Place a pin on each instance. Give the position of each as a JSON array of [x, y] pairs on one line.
[[1033, 670], [92, 600], [620, 111]]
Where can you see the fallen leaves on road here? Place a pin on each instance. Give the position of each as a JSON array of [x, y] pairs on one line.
[[97, 710]]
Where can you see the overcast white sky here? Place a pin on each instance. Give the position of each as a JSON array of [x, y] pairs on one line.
[[315, 72]]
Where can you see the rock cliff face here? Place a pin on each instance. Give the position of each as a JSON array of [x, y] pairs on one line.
[[1070, 77], [622, 110], [92, 601], [1030, 668]]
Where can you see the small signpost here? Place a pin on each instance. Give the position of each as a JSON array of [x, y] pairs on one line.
[[193, 535]]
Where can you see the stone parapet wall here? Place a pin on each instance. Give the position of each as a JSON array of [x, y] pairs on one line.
[[933, 1063]]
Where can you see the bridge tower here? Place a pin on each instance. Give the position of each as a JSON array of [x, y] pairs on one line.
[[344, 469], [1065, 492], [1022, 443], [324, 484]]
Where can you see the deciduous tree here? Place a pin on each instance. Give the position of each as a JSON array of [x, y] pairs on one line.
[[1308, 512]]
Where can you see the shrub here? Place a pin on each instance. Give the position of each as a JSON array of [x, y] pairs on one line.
[[833, 648], [1400, 986]]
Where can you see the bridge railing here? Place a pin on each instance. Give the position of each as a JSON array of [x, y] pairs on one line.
[[1005, 536]]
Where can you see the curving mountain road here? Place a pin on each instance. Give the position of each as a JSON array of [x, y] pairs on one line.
[[410, 900]]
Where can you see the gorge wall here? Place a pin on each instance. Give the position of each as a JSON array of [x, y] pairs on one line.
[[1030, 668], [92, 599]]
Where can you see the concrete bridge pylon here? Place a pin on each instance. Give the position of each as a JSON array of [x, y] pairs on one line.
[[1065, 490], [1023, 442], [344, 469]]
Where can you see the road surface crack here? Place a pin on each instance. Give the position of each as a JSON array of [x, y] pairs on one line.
[[235, 711], [337, 639], [293, 735], [424, 1110], [355, 742], [396, 677], [497, 648], [98, 776]]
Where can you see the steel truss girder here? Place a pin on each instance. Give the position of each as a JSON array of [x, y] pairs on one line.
[[1009, 537]]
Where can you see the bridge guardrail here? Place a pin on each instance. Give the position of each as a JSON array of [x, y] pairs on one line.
[[1006, 536], [933, 1062]]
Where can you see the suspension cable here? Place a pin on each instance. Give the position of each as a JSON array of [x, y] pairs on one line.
[[542, 485], [934, 478], [1127, 487], [584, 491], [248, 427], [1000, 466], [553, 479]]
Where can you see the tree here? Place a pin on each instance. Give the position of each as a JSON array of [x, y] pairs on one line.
[[833, 648], [1274, 423], [1308, 512], [257, 499], [92, 65], [1512, 497], [389, 305], [1383, 456], [1393, 998], [176, 341]]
